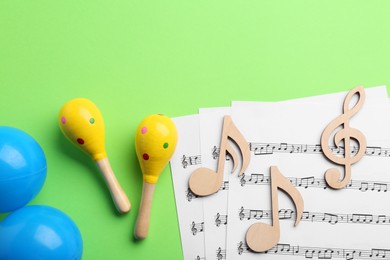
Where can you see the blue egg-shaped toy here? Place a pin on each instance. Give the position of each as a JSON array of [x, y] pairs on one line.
[[22, 168], [39, 232]]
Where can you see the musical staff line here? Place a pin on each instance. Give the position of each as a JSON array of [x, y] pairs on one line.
[[220, 219], [197, 228], [190, 195], [331, 218], [311, 182], [271, 148], [190, 160], [321, 252]]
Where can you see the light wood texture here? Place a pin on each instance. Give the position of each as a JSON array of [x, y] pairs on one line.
[[332, 175], [142, 225], [204, 181], [119, 197], [261, 237]]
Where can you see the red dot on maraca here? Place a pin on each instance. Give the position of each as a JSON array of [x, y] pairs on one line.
[[80, 141], [144, 130], [145, 156]]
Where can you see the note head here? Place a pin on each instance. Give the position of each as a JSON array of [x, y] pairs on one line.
[[204, 182], [261, 237]]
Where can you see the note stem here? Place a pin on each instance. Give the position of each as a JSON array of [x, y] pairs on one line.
[[142, 224], [119, 197]]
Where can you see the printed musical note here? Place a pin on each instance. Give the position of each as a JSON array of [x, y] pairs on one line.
[[331, 218], [253, 214], [311, 182], [260, 236], [197, 227], [380, 253], [363, 186], [379, 187], [286, 214], [332, 176], [220, 220], [305, 182], [320, 252], [253, 179], [205, 181], [263, 149], [190, 160], [225, 185], [365, 218]]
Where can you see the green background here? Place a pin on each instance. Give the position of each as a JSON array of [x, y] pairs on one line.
[[135, 58]]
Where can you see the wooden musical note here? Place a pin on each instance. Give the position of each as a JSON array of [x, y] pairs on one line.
[[332, 176], [261, 237], [204, 181]]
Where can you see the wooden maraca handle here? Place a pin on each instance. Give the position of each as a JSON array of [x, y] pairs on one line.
[[119, 197], [142, 225]]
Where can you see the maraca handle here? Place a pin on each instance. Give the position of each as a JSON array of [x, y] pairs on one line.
[[119, 197], [142, 225]]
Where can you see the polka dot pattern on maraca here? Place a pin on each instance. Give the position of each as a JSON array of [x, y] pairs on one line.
[[82, 123], [155, 141]]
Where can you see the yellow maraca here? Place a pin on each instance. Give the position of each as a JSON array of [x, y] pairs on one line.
[[155, 143], [82, 123]]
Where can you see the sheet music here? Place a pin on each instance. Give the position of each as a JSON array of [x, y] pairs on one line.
[[188, 157], [189, 208], [215, 206], [303, 123]]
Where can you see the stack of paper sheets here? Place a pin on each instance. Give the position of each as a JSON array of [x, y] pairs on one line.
[[349, 223]]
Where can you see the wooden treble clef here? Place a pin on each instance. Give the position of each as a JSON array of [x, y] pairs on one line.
[[332, 176]]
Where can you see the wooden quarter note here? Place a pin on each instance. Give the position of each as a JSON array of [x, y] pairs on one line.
[[204, 181], [261, 237]]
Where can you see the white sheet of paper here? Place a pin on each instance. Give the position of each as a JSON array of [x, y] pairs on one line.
[[186, 156], [189, 208], [215, 206], [283, 125]]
